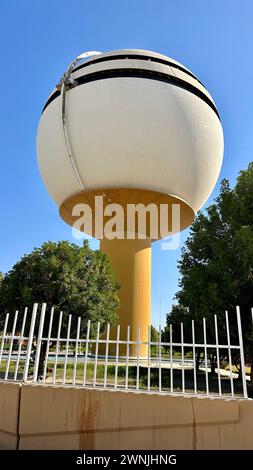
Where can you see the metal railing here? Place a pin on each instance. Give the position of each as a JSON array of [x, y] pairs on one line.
[[33, 348]]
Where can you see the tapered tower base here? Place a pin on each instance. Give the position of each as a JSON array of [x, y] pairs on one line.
[[131, 261]]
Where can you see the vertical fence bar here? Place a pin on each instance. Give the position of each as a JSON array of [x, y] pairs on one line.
[[182, 356], [229, 355], [86, 353], [160, 358], [217, 352], [57, 346], [67, 350], [149, 354], [11, 345], [48, 343], [239, 326], [194, 358], [106, 353], [138, 360], [76, 348], [127, 356], [3, 337], [171, 361], [21, 339], [205, 349], [38, 343], [117, 358], [252, 315], [30, 341], [96, 356]]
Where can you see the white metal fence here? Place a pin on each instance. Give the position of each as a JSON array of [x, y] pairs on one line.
[[33, 348]]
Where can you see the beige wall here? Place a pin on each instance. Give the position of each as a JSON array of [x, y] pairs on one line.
[[9, 414], [75, 418]]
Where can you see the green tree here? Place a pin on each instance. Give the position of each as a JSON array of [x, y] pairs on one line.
[[74, 279], [216, 267]]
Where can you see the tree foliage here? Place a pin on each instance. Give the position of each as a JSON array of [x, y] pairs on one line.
[[74, 279], [216, 266]]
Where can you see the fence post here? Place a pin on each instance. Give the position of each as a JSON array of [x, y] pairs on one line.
[[57, 346], [149, 354], [117, 357], [106, 353], [229, 355], [160, 357], [86, 352], [11, 345], [217, 352], [4, 335], [171, 361], [38, 343], [138, 358], [48, 343], [127, 356], [182, 357], [194, 358], [239, 325], [20, 344], [205, 349], [76, 348], [96, 356], [66, 350], [30, 341]]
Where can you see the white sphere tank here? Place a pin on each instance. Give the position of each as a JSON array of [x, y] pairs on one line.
[[136, 120]]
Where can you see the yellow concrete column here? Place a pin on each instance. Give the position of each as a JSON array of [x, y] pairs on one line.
[[131, 261]]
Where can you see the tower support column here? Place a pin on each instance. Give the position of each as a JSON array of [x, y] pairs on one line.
[[131, 261]]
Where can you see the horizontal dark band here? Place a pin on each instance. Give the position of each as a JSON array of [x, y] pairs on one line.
[[138, 57], [139, 73]]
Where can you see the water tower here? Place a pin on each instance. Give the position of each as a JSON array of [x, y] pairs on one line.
[[129, 127]]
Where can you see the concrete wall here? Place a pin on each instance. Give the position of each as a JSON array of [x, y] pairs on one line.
[[9, 414], [58, 417]]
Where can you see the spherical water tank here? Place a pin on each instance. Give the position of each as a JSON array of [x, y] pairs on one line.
[[137, 120]]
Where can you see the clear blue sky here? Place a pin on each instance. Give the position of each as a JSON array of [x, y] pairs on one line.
[[37, 41]]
